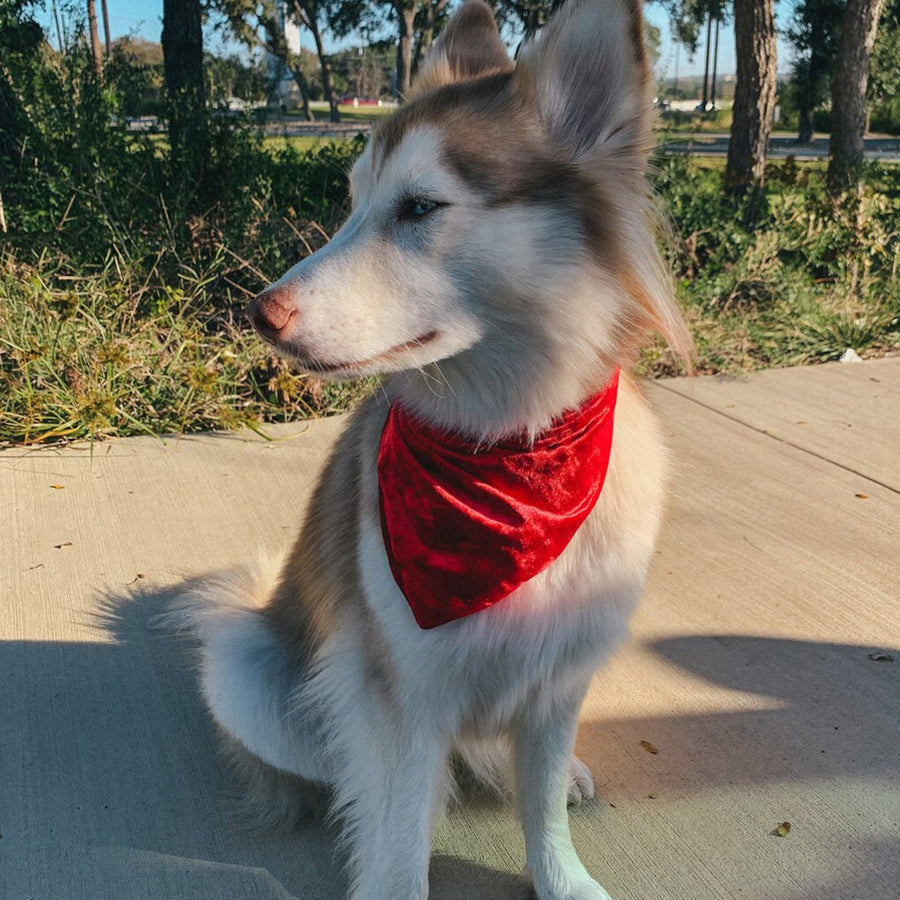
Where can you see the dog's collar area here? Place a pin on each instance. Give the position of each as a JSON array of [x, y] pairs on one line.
[[464, 524]]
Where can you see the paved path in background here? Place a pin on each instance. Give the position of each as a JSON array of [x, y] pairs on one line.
[[876, 149], [882, 149], [758, 666]]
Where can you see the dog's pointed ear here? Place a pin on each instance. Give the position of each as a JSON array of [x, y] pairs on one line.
[[588, 77], [469, 47]]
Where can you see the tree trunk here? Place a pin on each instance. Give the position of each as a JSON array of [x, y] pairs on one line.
[[312, 23], [425, 38], [182, 42], [302, 87], [95, 37], [805, 129], [754, 94], [406, 15], [848, 91], [705, 100], [715, 69]]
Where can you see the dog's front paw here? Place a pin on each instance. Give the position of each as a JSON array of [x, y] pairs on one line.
[[587, 890], [581, 784], [575, 884], [583, 890]]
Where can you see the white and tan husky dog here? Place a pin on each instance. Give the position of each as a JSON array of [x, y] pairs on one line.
[[499, 264]]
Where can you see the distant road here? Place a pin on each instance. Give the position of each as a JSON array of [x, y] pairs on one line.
[[702, 144], [884, 149], [780, 147], [298, 128]]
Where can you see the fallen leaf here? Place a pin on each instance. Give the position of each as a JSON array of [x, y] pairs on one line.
[[881, 656], [57, 487], [783, 830], [863, 496], [649, 747], [64, 544]]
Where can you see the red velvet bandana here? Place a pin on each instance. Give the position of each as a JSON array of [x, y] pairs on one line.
[[465, 525]]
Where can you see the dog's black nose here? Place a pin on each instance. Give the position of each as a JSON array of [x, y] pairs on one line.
[[271, 312]]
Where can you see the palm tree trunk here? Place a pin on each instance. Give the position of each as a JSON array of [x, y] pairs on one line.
[[754, 94], [106, 40], [848, 91], [95, 37]]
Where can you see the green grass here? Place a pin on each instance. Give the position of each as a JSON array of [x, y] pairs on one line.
[[80, 357], [121, 298], [148, 337], [358, 113], [297, 142]]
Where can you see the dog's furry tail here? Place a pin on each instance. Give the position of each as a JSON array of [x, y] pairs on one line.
[[204, 603], [249, 684]]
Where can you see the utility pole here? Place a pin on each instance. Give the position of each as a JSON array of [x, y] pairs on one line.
[[675, 79], [712, 92], [105, 12], [706, 66]]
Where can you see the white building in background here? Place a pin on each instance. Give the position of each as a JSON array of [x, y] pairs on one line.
[[282, 87]]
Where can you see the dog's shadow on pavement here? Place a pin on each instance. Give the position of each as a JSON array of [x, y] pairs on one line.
[[827, 708], [186, 783], [110, 765], [813, 710], [802, 723]]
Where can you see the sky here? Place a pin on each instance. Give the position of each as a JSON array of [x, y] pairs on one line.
[[144, 18]]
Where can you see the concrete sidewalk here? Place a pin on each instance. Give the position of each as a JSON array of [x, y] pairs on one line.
[[751, 670]]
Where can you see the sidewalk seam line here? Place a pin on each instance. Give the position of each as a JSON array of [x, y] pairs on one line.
[[776, 437]]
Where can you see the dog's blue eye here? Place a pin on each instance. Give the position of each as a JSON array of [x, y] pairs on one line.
[[417, 207]]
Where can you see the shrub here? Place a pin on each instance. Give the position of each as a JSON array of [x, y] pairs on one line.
[[122, 290], [797, 278]]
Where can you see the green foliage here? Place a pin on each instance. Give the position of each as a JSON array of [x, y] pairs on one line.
[[814, 34], [688, 18], [886, 117], [795, 277], [884, 66], [122, 292], [230, 76], [108, 352], [83, 183], [884, 72]]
